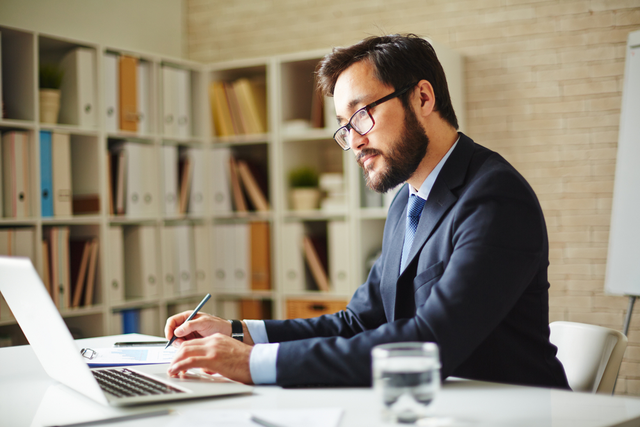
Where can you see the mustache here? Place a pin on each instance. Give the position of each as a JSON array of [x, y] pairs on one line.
[[367, 152]]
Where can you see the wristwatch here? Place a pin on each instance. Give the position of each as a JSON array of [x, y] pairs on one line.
[[236, 330]]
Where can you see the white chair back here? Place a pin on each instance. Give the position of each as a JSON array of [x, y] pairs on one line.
[[591, 355]]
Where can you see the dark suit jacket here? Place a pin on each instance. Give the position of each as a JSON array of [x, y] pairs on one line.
[[476, 284]]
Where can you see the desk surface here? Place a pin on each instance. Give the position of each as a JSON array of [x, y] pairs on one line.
[[28, 397]]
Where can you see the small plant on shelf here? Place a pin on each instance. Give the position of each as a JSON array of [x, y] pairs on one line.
[[50, 77], [304, 194]]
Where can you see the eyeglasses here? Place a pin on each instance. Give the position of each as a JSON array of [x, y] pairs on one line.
[[362, 121]]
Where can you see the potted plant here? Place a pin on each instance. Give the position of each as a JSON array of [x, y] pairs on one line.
[[50, 77], [304, 191]]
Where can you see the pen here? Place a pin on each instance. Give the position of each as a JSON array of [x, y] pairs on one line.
[[205, 299], [119, 419]]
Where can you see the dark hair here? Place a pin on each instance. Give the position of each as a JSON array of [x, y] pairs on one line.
[[399, 60]]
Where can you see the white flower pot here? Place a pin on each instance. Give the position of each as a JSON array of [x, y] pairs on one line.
[[304, 198], [49, 105]]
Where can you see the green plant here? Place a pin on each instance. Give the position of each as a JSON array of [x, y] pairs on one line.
[[50, 76], [303, 177]]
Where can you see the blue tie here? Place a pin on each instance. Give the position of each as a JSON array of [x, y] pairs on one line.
[[414, 209]]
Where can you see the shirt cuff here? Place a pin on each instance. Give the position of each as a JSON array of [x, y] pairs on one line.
[[258, 331], [262, 363]]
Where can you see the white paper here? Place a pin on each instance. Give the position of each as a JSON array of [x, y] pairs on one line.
[[309, 417], [123, 356]]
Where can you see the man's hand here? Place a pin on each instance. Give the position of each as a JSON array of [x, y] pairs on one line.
[[217, 353], [201, 326]]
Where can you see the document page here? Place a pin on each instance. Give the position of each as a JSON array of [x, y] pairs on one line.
[[123, 356]]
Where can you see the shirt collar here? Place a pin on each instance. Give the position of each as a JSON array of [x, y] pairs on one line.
[[427, 185]]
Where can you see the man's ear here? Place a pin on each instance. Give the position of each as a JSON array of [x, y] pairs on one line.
[[426, 97]]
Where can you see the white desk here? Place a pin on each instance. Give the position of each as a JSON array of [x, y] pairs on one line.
[[28, 397]]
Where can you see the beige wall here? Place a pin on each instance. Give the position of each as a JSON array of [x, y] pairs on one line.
[[153, 26], [544, 82]]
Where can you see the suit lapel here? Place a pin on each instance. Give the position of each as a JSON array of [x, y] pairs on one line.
[[441, 197]]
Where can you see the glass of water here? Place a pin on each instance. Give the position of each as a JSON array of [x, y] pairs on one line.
[[406, 379]]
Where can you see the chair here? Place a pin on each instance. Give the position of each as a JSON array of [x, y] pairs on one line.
[[591, 355]]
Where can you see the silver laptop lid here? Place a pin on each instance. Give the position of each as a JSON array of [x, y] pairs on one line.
[[44, 328]]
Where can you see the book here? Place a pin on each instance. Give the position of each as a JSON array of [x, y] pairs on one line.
[[79, 251], [186, 174], [318, 270], [128, 93], [85, 204], [46, 268], [238, 198], [240, 125], [46, 174], [91, 273], [223, 125], [256, 196]]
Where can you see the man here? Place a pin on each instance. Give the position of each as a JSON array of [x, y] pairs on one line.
[[467, 269]]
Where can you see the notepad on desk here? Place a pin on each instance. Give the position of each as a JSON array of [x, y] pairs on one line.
[[122, 356]]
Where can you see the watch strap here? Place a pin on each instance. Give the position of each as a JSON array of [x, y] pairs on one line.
[[236, 330]]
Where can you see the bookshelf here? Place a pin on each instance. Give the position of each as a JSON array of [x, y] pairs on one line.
[[153, 165]]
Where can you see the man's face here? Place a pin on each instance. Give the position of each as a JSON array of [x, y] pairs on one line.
[[391, 152]]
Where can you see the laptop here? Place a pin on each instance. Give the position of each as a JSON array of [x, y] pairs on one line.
[[56, 350]]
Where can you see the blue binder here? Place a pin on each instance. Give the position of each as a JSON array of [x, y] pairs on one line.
[[46, 174], [131, 321]]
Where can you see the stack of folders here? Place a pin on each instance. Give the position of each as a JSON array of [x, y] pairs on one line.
[[15, 188], [15, 242], [239, 107], [127, 93], [184, 180], [185, 259], [70, 267], [133, 187], [241, 254]]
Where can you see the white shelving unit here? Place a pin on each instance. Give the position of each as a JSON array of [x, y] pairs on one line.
[[352, 232]]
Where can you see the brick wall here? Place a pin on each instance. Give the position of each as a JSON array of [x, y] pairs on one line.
[[544, 84]]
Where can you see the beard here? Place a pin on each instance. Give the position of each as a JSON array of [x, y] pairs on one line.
[[402, 158]]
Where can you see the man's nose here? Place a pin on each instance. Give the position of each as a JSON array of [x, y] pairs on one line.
[[356, 141]]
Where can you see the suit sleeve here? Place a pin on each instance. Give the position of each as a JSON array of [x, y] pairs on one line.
[[497, 242]]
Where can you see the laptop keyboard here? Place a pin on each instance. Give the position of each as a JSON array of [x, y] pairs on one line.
[[122, 382]]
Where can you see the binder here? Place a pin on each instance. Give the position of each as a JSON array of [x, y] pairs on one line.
[[182, 83], [140, 267], [78, 89], [115, 272], [241, 280], [338, 242], [130, 321], [260, 256], [169, 261], [46, 174], [15, 174], [150, 323], [202, 258], [111, 92], [61, 172], [197, 201], [169, 100], [18, 242], [219, 181], [292, 258], [51, 238], [64, 275], [185, 256], [128, 93], [170, 179], [143, 97], [222, 255]]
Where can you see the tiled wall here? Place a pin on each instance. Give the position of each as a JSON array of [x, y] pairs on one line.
[[544, 84]]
